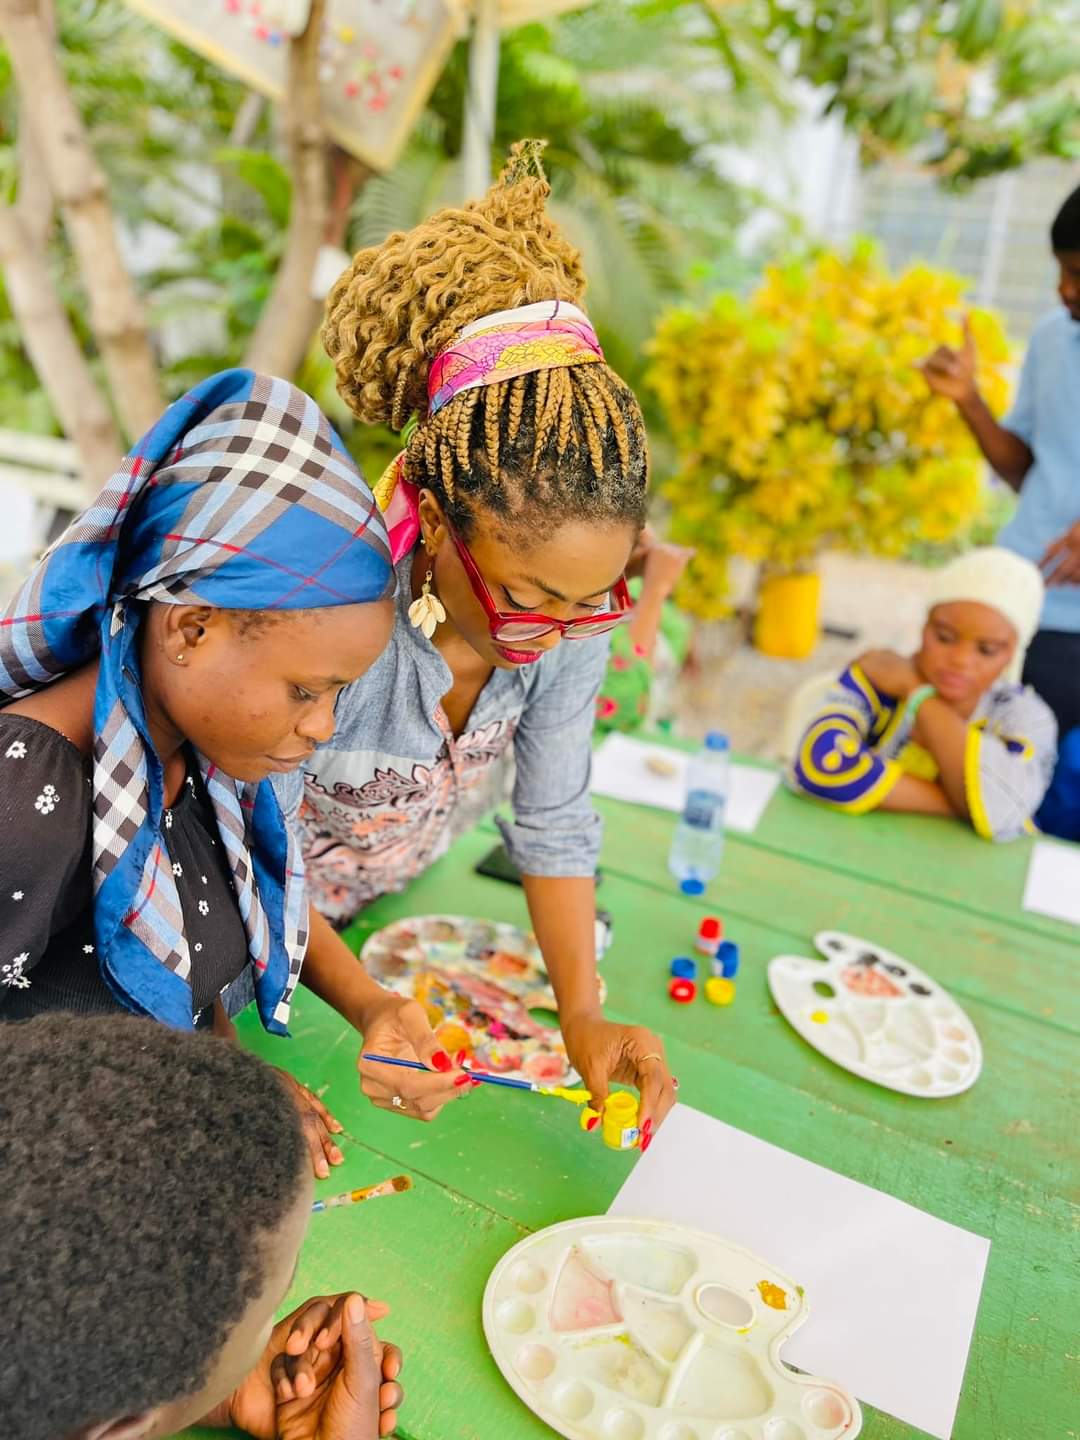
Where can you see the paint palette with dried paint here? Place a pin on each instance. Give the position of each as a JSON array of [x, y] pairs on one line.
[[620, 1329], [878, 1015], [478, 981]]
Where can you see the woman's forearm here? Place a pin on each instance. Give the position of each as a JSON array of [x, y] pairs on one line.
[[645, 621], [563, 913], [334, 973]]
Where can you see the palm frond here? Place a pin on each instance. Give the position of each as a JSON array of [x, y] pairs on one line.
[[403, 196]]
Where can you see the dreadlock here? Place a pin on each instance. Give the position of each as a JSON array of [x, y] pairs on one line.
[[538, 449]]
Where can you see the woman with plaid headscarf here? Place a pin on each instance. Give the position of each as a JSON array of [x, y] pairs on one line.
[[186, 638]]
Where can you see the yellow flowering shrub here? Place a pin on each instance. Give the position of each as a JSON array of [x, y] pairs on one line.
[[801, 420]]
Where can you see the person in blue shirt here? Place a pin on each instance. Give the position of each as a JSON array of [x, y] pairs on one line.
[[1036, 450]]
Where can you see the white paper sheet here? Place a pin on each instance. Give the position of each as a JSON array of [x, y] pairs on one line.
[[621, 770], [1053, 881], [892, 1292]]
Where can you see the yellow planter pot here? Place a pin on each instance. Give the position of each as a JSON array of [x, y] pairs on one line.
[[788, 617]]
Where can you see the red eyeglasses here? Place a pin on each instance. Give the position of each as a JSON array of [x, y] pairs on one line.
[[510, 627]]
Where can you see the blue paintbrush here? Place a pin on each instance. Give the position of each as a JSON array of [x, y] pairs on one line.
[[576, 1097]]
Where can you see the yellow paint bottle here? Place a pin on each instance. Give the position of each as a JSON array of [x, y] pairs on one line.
[[620, 1127]]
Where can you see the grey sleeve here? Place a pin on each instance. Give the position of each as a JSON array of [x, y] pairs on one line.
[[1009, 766], [555, 830]]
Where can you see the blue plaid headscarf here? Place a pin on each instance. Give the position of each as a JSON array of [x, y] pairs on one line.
[[241, 497]]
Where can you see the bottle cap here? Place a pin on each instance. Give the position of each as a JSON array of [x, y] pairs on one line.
[[719, 991], [692, 886], [682, 991], [711, 928], [683, 968], [728, 956], [717, 740]]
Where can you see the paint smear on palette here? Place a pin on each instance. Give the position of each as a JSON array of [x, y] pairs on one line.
[[583, 1299], [863, 981], [619, 1364], [772, 1295], [479, 982]]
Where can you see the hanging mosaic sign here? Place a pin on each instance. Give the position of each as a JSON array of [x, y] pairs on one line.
[[379, 59]]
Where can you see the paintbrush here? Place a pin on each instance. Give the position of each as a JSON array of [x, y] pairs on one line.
[[395, 1186], [575, 1097]]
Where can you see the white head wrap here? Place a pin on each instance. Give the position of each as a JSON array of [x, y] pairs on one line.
[[1001, 579]]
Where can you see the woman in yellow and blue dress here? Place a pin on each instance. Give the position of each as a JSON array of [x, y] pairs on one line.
[[950, 730]]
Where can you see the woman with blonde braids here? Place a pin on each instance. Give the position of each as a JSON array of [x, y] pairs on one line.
[[512, 511]]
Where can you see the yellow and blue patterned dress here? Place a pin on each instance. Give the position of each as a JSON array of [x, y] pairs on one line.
[[858, 743]]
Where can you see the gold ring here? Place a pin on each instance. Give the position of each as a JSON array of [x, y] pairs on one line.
[[652, 1055]]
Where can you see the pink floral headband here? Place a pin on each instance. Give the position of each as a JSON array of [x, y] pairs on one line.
[[547, 335]]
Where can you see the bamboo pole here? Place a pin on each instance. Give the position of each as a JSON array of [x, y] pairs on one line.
[[78, 185], [290, 315], [55, 353]]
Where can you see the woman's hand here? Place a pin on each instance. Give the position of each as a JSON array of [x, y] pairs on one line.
[[296, 1373], [602, 1051], [399, 1027], [318, 1124]]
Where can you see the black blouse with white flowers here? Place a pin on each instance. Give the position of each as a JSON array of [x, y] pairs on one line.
[[47, 948]]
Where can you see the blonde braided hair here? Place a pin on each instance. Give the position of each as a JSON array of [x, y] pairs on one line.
[[544, 447]]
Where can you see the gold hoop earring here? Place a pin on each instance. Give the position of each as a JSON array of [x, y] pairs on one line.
[[427, 610]]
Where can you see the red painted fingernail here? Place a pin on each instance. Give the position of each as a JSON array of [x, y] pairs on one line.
[[674, 1082], [460, 1057], [463, 1080], [592, 1124], [441, 1061], [474, 1082], [646, 1141]]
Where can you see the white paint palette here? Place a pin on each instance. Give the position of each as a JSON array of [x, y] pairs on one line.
[[613, 1328], [878, 1016]]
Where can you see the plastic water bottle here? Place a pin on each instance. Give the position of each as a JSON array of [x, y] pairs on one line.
[[698, 846]]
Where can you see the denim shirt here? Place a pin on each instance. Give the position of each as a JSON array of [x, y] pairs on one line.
[[374, 804], [1046, 416]]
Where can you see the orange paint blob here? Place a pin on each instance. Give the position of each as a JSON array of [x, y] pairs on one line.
[[772, 1295]]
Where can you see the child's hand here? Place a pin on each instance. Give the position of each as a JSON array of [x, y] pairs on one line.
[[302, 1355], [343, 1386], [890, 673], [951, 372]]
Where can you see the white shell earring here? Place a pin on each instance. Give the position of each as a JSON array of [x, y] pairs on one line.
[[427, 610]]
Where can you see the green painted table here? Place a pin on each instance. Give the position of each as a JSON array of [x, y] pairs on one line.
[[1000, 1160]]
